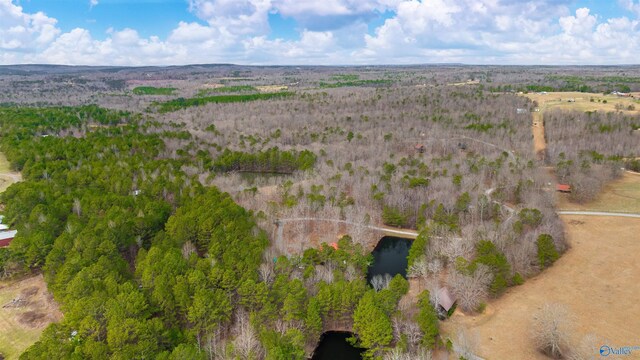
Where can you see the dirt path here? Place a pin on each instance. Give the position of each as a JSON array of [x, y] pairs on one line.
[[599, 213], [596, 279], [539, 142]]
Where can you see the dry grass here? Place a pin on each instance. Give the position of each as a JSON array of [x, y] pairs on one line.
[[468, 82], [22, 322], [272, 88], [7, 177], [619, 195], [582, 101], [596, 278]]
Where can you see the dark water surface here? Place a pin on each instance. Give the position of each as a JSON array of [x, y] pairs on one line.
[[334, 346], [390, 257]]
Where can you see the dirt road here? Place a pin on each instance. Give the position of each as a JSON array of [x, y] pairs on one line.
[[539, 142]]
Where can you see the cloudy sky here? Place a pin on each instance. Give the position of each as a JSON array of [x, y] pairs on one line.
[[164, 32]]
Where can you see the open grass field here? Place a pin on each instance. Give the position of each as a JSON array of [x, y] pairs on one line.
[[272, 88], [7, 177], [582, 101], [22, 321], [620, 195]]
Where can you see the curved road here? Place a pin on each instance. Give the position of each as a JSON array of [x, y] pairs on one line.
[[410, 234]]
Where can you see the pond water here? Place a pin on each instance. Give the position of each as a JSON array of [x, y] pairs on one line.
[[390, 257], [334, 346]]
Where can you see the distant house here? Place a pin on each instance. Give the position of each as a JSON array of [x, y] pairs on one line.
[[445, 299], [521, 111], [621, 94], [6, 237], [420, 148], [564, 188]]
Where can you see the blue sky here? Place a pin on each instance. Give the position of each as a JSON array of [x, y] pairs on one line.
[[164, 32], [149, 17]]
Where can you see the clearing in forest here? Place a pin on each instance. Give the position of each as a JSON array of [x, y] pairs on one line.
[[26, 308], [621, 195], [7, 177], [586, 101], [596, 279]]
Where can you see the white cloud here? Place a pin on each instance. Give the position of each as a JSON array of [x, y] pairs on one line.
[[491, 31], [236, 17], [93, 3], [24, 32], [579, 25], [631, 5]]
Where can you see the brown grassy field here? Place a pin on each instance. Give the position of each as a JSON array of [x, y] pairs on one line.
[[596, 279], [582, 101], [272, 88], [619, 195], [7, 177], [22, 322]]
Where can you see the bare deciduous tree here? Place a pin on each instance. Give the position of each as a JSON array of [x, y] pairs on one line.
[[551, 330], [187, 249], [246, 344], [471, 290], [266, 272], [379, 282]]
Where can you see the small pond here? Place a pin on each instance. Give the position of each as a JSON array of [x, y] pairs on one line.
[[390, 257], [334, 346]]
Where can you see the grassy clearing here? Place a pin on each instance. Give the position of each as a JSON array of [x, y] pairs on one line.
[[583, 102], [150, 90], [227, 89], [621, 195], [17, 333], [5, 166], [7, 177], [182, 103], [271, 88]]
